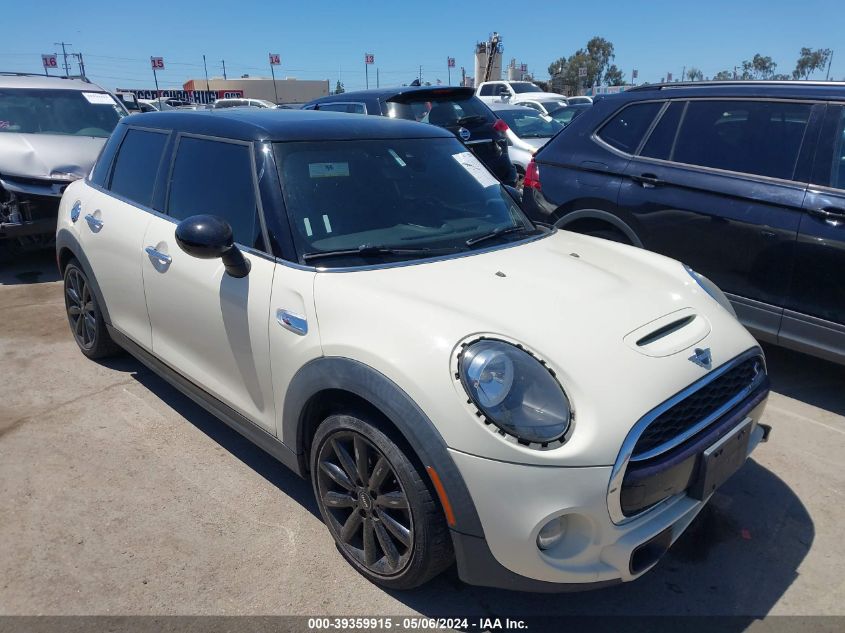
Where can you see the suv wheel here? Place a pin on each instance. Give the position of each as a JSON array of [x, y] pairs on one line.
[[377, 507], [84, 316]]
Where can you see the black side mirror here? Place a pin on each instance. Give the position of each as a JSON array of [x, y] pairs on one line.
[[210, 237]]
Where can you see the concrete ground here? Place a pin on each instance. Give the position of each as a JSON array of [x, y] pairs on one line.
[[120, 496]]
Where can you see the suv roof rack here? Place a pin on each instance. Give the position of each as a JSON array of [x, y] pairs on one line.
[[734, 82]]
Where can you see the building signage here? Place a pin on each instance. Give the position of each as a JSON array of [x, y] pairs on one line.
[[192, 96]]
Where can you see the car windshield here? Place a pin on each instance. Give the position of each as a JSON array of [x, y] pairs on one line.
[[528, 123], [443, 111], [65, 112], [566, 115], [353, 203], [525, 86]]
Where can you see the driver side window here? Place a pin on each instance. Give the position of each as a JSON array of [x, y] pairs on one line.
[[216, 177]]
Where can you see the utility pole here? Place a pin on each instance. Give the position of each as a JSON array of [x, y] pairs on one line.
[[684, 74], [80, 62], [64, 54], [223, 61], [205, 66], [377, 83], [829, 62], [420, 75]]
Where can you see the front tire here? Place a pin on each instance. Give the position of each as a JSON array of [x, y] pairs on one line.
[[378, 509], [84, 315]]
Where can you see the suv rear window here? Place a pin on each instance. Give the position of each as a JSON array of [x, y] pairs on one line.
[[626, 128], [444, 111], [753, 137]]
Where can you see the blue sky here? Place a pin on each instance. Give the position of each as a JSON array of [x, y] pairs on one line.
[[327, 40]]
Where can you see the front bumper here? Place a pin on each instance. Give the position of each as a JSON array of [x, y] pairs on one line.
[[45, 226], [515, 500]]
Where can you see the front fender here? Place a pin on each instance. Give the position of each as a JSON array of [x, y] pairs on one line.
[[381, 392]]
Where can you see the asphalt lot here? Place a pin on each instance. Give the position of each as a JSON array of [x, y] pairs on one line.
[[120, 496]]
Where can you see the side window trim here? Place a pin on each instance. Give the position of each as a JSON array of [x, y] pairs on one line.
[[259, 209], [651, 127]]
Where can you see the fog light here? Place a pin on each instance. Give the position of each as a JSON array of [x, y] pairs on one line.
[[552, 533]]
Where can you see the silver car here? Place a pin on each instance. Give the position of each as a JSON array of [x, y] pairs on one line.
[[51, 131], [528, 130]]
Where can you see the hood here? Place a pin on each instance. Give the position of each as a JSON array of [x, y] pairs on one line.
[[572, 300], [48, 155]]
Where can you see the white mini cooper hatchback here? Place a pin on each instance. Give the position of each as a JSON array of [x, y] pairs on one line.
[[363, 300]]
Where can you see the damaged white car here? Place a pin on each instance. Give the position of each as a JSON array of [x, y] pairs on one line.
[[51, 131]]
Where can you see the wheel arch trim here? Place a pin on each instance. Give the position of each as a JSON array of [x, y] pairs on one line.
[[361, 380], [66, 241], [603, 216]]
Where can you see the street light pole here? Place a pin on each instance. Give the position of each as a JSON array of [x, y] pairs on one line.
[[205, 66]]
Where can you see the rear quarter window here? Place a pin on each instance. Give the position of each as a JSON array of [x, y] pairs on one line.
[[625, 129]]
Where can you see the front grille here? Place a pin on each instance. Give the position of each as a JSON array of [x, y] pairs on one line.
[[692, 410]]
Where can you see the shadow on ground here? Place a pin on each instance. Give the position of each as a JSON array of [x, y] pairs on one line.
[[805, 378], [28, 268]]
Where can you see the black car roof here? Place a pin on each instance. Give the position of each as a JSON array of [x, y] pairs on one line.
[[254, 124], [395, 91], [782, 89]]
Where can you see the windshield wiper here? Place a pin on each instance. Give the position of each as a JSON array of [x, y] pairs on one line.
[[372, 249], [502, 230]]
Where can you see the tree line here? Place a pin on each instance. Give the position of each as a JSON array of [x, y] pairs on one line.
[[593, 65]]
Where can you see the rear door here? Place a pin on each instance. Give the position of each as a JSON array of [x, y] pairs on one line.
[[210, 327], [115, 219], [717, 185], [815, 307]]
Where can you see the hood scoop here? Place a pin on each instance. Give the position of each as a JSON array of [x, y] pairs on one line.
[[669, 334]]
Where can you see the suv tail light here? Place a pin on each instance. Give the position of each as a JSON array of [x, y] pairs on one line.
[[500, 126], [532, 176]]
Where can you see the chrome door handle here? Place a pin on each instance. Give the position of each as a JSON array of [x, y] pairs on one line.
[[296, 323], [93, 222], [157, 254]]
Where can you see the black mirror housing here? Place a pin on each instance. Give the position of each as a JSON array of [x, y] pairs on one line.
[[210, 237]]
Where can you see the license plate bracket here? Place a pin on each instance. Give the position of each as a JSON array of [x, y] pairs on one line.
[[721, 460]]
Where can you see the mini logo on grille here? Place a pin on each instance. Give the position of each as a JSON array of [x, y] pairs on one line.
[[702, 357]]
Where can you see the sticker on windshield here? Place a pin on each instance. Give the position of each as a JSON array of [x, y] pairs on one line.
[[468, 161], [98, 98], [328, 170]]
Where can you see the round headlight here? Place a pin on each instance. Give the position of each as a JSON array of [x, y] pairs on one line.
[[514, 391]]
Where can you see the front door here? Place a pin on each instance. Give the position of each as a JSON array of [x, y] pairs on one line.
[[210, 327], [815, 309]]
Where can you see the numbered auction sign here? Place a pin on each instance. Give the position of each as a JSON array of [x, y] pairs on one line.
[[157, 63]]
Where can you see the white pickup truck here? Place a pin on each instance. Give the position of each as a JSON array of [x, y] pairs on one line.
[[490, 91]]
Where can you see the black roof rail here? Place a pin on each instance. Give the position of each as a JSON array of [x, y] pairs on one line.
[[12, 73], [734, 82]]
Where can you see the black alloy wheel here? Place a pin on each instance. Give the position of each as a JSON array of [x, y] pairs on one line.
[[367, 508]]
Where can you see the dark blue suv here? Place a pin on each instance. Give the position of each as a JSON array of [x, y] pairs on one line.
[[743, 181]]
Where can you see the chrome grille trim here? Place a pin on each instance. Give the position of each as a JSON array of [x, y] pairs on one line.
[[614, 489]]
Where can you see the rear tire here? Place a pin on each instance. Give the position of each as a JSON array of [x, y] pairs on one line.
[[84, 315], [379, 510]]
